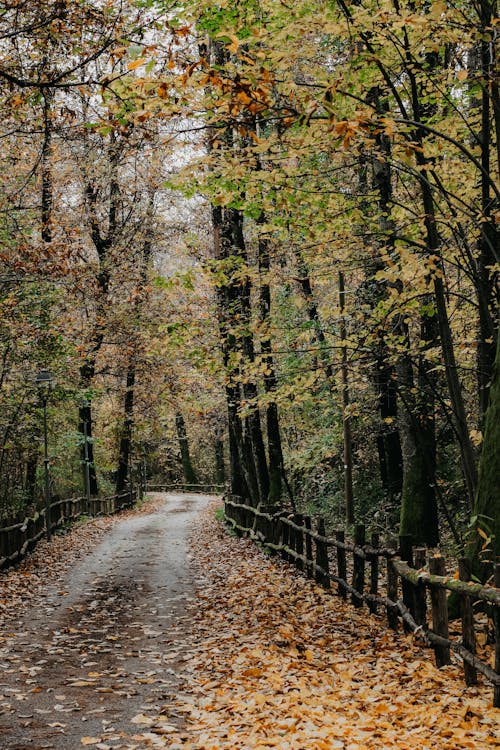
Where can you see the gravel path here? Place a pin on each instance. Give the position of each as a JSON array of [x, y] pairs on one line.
[[105, 641]]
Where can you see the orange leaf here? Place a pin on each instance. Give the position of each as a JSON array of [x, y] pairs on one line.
[[136, 63]]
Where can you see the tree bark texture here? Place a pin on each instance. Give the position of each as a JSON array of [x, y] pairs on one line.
[[187, 466], [125, 446], [487, 505]]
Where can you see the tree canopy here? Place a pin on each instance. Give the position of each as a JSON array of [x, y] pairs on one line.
[[264, 234]]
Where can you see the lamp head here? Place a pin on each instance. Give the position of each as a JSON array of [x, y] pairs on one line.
[[44, 380]]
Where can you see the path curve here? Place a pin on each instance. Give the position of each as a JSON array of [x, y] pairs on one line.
[[105, 643]]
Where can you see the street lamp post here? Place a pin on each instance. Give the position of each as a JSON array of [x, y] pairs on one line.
[[144, 472], [44, 380]]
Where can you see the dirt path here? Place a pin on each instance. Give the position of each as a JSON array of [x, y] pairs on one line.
[[104, 642]]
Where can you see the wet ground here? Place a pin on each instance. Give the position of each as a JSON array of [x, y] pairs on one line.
[[104, 643]]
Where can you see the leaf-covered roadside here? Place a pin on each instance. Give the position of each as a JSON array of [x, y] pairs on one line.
[[277, 662]]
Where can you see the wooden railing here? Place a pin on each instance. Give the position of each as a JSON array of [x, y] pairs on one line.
[[20, 536], [203, 489], [409, 576]]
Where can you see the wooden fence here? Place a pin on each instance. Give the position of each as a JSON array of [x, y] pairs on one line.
[[408, 576], [203, 489], [21, 535]]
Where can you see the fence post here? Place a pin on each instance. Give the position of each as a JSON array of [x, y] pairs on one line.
[[257, 523], [420, 592], [496, 620], [292, 542], [375, 541], [299, 540], [261, 524], [6, 542], [285, 538], [322, 577], [468, 634], [406, 555], [3, 544], [276, 528], [271, 532], [341, 563], [358, 575], [392, 595], [239, 518], [309, 549], [249, 518], [439, 612], [23, 533], [275, 531]]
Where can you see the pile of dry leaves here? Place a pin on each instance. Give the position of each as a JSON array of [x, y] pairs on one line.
[[278, 663]]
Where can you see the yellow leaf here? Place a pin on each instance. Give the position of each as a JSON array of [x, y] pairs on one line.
[[462, 75], [235, 43], [81, 683], [136, 63], [476, 437], [142, 719], [162, 91], [438, 8], [252, 672]]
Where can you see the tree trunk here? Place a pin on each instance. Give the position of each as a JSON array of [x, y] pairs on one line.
[[276, 464], [420, 113], [487, 505], [220, 468], [419, 517], [304, 282], [126, 431], [85, 428], [346, 420], [250, 391], [47, 191], [241, 475], [187, 467], [242, 483], [102, 244], [247, 454], [489, 239], [30, 482], [388, 439]]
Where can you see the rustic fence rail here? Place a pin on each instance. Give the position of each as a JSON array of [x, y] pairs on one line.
[[204, 489], [414, 596], [19, 536]]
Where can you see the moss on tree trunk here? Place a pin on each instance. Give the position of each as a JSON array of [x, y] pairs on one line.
[[487, 505]]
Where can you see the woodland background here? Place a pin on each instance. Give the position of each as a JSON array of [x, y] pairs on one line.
[[256, 244]]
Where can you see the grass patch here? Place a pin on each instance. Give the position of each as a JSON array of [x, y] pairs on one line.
[[219, 514]]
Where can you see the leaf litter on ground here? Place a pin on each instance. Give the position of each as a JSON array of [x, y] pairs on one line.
[[271, 660], [277, 662], [80, 662], [48, 562]]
